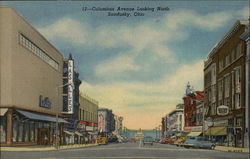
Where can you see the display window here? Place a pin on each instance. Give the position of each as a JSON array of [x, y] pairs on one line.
[[3, 128]]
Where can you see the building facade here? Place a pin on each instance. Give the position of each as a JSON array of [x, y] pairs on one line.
[[225, 88], [191, 100], [246, 36], [88, 117], [71, 83], [176, 121], [118, 125], [30, 75], [106, 121]]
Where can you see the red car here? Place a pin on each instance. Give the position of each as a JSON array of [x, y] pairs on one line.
[[167, 141]]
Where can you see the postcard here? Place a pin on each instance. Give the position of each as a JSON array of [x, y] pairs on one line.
[[124, 79]]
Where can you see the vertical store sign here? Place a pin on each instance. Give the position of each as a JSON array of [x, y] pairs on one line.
[[70, 86]]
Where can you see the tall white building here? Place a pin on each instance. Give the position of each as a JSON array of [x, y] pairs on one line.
[[175, 120]]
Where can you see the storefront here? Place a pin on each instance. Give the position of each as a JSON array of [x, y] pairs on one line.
[[227, 131], [22, 127]]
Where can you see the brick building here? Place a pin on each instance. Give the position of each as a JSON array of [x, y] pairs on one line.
[[191, 100], [225, 88]]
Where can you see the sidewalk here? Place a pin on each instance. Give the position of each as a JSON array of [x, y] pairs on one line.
[[232, 149], [44, 148]]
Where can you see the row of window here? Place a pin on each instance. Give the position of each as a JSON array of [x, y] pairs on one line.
[[24, 41], [87, 116], [230, 57]]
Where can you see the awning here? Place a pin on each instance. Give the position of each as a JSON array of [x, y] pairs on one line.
[[68, 132], [219, 130], [178, 134], [36, 116], [184, 133], [78, 133], [3, 111], [92, 133], [194, 133]]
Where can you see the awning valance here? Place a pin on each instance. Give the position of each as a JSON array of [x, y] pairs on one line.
[[68, 132], [219, 130], [78, 133], [42, 117], [3, 111], [194, 133]]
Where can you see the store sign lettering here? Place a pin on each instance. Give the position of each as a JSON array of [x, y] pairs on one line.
[[44, 102], [70, 86], [222, 110]]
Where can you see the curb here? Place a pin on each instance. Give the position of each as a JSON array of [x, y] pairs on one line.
[[226, 149], [8, 149]]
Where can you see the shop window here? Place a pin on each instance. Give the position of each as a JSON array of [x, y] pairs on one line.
[[36, 130], [15, 129], [20, 134], [26, 131], [3, 128], [32, 132]]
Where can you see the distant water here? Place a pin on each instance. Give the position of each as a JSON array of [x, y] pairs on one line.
[[131, 133]]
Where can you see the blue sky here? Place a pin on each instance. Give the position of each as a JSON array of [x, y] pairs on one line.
[[137, 66]]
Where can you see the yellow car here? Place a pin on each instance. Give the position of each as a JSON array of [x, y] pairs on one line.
[[102, 141], [180, 141]]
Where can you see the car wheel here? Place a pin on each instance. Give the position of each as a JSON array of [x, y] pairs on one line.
[[212, 147]]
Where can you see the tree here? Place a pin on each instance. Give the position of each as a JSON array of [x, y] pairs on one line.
[[180, 106]]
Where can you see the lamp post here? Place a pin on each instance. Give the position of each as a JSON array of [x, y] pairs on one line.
[[58, 94]]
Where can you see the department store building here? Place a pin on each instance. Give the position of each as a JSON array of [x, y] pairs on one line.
[[31, 72]]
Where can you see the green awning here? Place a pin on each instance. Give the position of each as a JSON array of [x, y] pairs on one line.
[[185, 133], [216, 131]]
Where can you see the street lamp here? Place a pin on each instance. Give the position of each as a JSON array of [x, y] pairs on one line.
[[58, 94]]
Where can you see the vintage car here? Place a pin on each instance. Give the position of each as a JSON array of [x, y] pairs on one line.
[[167, 141], [198, 142], [148, 140], [102, 140], [180, 141]]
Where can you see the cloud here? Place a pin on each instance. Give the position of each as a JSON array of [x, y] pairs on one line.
[[116, 65], [244, 13], [145, 38], [139, 99], [66, 29], [186, 18]]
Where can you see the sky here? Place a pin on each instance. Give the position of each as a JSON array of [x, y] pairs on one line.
[[138, 66]]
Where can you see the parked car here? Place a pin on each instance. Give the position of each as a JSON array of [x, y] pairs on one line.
[[167, 141], [132, 140], [148, 140], [180, 141], [113, 139], [157, 140], [198, 142], [102, 140]]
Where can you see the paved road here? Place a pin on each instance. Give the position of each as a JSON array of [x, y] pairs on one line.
[[127, 151]]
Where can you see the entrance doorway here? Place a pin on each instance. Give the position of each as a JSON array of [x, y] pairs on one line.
[[43, 136]]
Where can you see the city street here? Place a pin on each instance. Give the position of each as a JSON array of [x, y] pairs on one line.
[[127, 151]]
